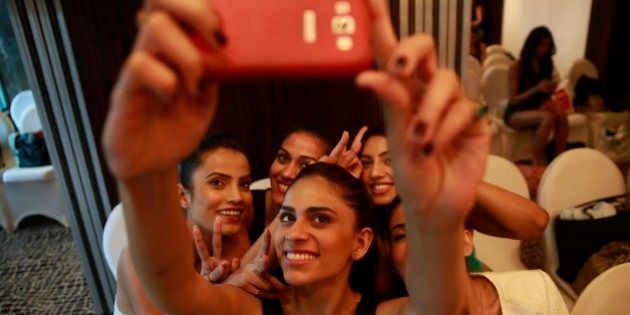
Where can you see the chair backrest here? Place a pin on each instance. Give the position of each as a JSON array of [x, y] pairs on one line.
[[607, 294], [114, 237], [495, 88], [29, 121], [579, 68], [6, 128], [472, 85], [501, 254], [493, 49], [261, 184], [19, 103], [473, 65], [495, 59], [575, 177]]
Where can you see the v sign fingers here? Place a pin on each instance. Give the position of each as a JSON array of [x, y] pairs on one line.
[[358, 140], [217, 239]]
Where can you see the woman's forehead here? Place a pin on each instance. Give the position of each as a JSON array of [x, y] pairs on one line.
[[314, 191], [225, 161], [304, 143]]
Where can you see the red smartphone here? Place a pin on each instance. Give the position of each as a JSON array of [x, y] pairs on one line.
[[291, 38]]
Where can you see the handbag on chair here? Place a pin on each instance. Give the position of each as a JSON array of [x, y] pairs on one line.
[[30, 149]]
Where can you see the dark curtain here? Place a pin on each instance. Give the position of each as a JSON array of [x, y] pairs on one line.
[[255, 113], [606, 47]]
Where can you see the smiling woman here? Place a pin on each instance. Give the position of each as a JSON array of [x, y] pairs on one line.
[[214, 193]]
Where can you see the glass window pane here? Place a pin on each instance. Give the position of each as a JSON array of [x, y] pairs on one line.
[[12, 75]]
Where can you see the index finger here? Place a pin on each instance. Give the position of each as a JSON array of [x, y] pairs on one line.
[[358, 140], [216, 238], [264, 247], [200, 245], [340, 147]]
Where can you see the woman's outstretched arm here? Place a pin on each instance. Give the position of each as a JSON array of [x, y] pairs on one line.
[[502, 213], [438, 151], [160, 109]]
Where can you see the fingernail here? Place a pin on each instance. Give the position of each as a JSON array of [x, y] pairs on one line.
[[419, 129], [401, 62], [427, 149], [220, 37]]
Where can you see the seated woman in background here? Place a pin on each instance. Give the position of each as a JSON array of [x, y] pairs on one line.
[[532, 83], [214, 193]]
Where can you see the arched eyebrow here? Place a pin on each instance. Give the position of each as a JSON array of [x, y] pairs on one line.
[[398, 226], [287, 208], [309, 210], [222, 175]]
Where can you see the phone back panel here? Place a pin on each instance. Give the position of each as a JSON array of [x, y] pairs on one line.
[[292, 38]]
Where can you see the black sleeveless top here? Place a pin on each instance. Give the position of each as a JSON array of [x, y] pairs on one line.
[[366, 306], [525, 82]]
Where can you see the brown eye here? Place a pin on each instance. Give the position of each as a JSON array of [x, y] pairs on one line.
[[366, 162], [282, 158], [245, 184], [216, 183]]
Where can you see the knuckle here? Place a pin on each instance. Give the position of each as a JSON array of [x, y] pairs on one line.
[[137, 62], [156, 20]]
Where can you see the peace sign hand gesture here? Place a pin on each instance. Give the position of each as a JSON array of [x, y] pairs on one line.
[[347, 158], [213, 268], [254, 277]]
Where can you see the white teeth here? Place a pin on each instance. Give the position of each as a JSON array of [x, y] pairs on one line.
[[283, 187], [381, 187], [300, 256], [230, 212]]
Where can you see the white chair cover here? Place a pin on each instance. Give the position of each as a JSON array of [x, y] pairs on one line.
[[114, 237], [575, 177], [493, 49], [501, 254], [495, 59], [607, 294], [29, 121], [261, 184], [19, 103], [579, 68], [495, 88]]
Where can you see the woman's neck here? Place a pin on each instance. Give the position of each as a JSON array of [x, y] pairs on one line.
[[332, 297]]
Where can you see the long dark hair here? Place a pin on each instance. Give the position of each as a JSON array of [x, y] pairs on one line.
[[210, 143], [528, 52], [312, 130], [353, 192]]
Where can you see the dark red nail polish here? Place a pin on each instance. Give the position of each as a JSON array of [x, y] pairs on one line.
[[401, 62], [428, 149], [220, 37], [419, 129]]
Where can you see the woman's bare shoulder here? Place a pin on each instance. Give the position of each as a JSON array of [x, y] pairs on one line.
[[399, 306]]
